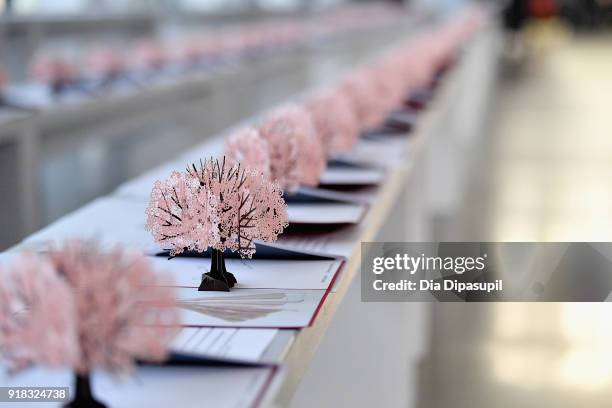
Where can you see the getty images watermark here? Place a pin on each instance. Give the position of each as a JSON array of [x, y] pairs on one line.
[[484, 272]]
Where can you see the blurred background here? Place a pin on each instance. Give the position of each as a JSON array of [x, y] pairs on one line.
[[542, 173], [95, 92]]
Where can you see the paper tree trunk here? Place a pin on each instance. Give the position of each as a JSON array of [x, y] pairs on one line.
[[83, 396], [218, 279]]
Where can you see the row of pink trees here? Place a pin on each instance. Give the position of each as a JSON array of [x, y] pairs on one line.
[[292, 144], [62, 72], [86, 309], [228, 204]]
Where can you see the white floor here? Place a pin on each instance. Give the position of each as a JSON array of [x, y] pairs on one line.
[[546, 176]]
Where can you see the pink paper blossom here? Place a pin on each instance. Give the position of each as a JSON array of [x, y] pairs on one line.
[[106, 62], [150, 54], [334, 120], [190, 49], [361, 90], [181, 215], [124, 310], [390, 82], [37, 315], [296, 153], [248, 206], [53, 70], [419, 60], [283, 152], [248, 148]]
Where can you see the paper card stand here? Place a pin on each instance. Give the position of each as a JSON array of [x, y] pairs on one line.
[[262, 251], [220, 279], [317, 195], [215, 313], [351, 178], [188, 360], [402, 120], [398, 123], [345, 162], [380, 133], [317, 229], [305, 195], [419, 99], [326, 214], [252, 308]]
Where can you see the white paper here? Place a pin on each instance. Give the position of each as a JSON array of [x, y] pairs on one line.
[[110, 221], [339, 175], [157, 387], [340, 196], [280, 308], [335, 243], [326, 213], [254, 273], [37, 95], [247, 345], [382, 153]]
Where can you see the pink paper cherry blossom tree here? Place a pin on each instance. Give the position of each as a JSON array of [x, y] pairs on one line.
[[220, 206], [181, 214], [248, 148], [123, 311], [106, 64], [334, 120], [57, 72], [389, 81], [365, 99], [248, 207], [283, 152], [296, 154], [37, 315]]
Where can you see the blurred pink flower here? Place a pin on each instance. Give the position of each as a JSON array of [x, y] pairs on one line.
[[423, 62], [181, 215], [390, 82], [247, 206], [334, 120], [54, 71], [283, 152], [37, 315], [248, 148], [360, 88], [296, 153], [190, 49], [150, 54], [124, 310], [106, 62]]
